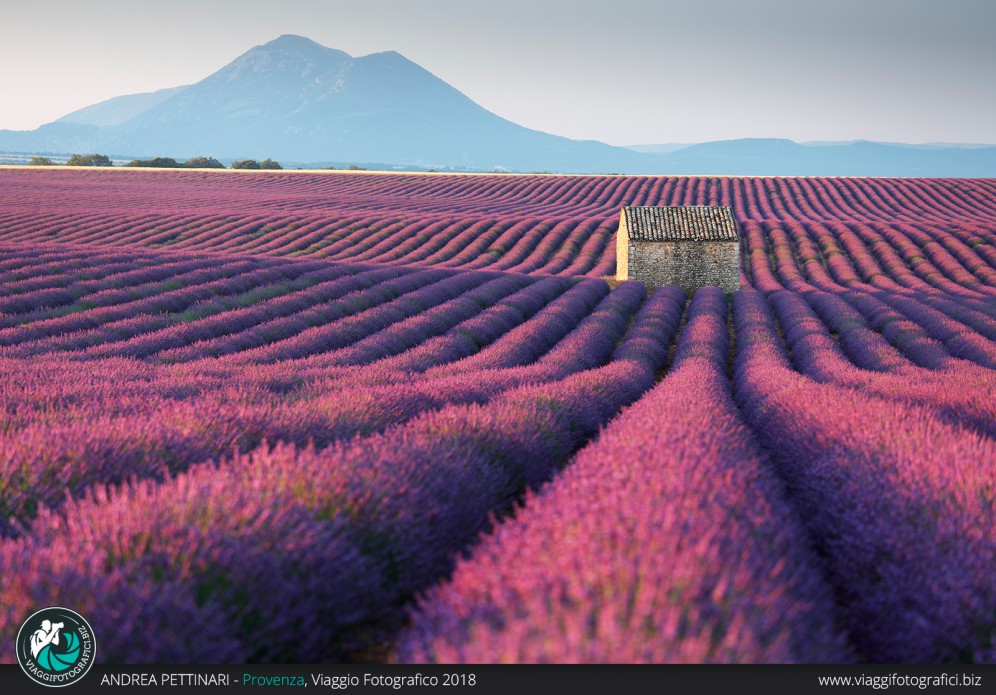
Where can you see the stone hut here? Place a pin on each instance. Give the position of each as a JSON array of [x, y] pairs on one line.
[[691, 246]]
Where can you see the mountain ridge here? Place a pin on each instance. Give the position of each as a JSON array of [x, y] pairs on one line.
[[298, 101]]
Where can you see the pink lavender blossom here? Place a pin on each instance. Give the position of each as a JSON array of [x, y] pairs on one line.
[[233, 408]]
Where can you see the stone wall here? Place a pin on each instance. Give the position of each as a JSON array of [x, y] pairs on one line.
[[691, 264]]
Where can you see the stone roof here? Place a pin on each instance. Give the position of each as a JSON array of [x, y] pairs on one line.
[[681, 223]]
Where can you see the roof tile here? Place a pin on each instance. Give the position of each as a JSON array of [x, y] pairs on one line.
[[680, 223]]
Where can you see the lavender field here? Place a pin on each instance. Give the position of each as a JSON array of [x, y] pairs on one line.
[[407, 416]]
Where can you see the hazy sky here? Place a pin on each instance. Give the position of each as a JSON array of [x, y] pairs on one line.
[[620, 71]]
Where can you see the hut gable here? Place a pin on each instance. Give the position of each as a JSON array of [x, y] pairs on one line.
[[691, 246]]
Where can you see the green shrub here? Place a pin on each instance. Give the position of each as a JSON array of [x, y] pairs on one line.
[[203, 163], [89, 160], [162, 162]]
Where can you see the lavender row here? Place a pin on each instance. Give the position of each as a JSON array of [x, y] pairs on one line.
[[470, 336], [175, 295], [298, 304], [135, 329], [955, 391], [80, 277], [894, 235], [525, 343], [322, 541], [805, 256], [907, 200], [47, 389], [898, 502], [657, 558], [153, 433], [964, 333], [436, 320], [359, 315]]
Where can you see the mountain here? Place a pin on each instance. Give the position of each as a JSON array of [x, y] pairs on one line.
[[295, 100], [920, 145], [119, 109], [659, 147], [773, 157], [299, 102]]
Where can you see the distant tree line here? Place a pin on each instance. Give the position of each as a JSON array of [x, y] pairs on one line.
[[89, 160], [253, 164], [203, 163], [100, 160], [161, 162]]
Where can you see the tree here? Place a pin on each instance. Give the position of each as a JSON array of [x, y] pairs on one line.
[[89, 160], [41, 162], [245, 164], [161, 162], [269, 164], [203, 163]]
